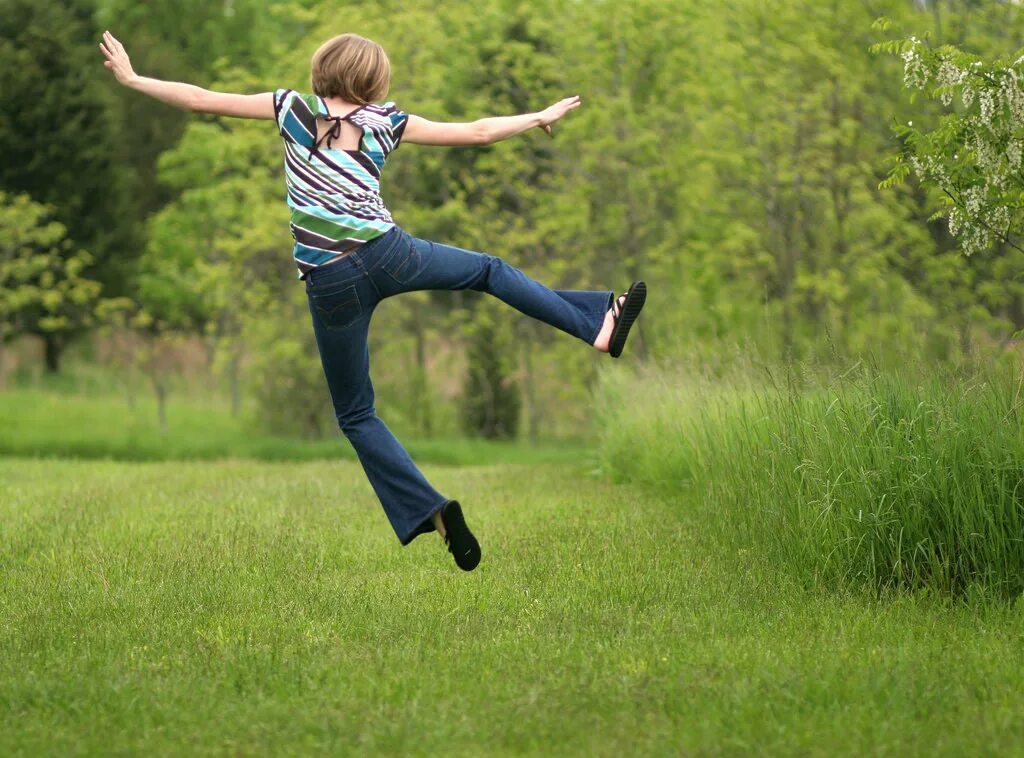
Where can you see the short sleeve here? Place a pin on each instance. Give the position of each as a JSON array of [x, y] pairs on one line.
[[398, 119], [283, 99], [296, 116]]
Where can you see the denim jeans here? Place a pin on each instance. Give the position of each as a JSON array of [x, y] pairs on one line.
[[342, 297]]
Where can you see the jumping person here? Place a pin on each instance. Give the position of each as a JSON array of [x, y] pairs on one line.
[[351, 254]]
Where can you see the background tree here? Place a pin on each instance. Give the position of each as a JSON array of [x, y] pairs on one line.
[[61, 136], [490, 402], [43, 289]]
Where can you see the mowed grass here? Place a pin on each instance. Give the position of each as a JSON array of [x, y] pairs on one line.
[[47, 422], [254, 608]]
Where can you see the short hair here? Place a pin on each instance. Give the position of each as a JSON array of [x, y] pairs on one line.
[[352, 68]]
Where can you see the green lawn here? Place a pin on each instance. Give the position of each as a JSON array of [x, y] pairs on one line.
[[258, 608], [47, 422]]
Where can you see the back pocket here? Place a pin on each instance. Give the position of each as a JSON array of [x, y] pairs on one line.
[[338, 308], [404, 263]]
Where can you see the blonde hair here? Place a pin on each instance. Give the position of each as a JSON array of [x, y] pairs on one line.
[[352, 68]]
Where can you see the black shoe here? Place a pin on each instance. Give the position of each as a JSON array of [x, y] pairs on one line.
[[623, 317], [461, 542]]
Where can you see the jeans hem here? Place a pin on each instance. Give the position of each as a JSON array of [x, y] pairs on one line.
[[426, 526], [600, 321]]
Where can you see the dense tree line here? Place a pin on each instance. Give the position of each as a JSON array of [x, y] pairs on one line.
[[734, 155]]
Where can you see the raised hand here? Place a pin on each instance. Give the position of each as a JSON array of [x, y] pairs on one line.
[[117, 59], [552, 113]]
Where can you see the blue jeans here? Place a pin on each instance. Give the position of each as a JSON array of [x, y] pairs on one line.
[[342, 297]]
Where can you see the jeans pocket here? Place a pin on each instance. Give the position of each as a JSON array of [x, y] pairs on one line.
[[337, 308], [404, 263]]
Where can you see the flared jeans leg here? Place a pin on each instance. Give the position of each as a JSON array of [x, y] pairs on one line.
[[407, 497], [426, 265], [342, 298]]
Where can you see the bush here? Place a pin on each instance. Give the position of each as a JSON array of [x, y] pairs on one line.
[[873, 480], [490, 399], [286, 380]]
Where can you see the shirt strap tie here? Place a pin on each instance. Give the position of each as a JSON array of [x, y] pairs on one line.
[[330, 135]]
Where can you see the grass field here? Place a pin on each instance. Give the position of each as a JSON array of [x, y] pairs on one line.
[[45, 422], [255, 608]]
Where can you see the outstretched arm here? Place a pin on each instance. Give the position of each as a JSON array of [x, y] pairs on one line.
[[485, 130], [182, 95]]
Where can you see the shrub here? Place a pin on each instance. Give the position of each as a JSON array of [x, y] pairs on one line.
[[875, 480]]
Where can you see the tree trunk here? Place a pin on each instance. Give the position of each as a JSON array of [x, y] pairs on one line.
[[129, 389], [937, 13], [53, 346], [424, 414], [966, 343], [234, 370], [161, 403], [529, 393]]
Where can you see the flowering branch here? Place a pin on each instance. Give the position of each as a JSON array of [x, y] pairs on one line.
[[974, 153]]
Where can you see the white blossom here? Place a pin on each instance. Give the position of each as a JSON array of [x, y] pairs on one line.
[[915, 71], [954, 221], [988, 106], [972, 200], [950, 74], [1013, 154]]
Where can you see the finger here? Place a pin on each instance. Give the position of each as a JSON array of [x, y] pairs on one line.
[[106, 52], [108, 64], [113, 43]]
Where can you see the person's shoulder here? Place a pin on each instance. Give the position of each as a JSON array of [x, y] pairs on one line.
[[394, 116], [290, 97], [383, 109]]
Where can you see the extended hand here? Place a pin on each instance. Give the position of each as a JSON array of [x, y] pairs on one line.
[[117, 59], [552, 113]]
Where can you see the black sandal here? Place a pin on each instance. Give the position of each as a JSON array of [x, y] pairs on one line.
[[460, 541], [623, 320]]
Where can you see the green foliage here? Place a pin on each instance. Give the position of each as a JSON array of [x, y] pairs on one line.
[[61, 133], [735, 156], [871, 480], [284, 377], [490, 402], [973, 154], [43, 289]]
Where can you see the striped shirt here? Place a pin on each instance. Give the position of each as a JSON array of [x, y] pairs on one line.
[[334, 193]]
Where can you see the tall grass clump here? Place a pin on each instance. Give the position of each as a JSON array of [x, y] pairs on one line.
[[873, 479]]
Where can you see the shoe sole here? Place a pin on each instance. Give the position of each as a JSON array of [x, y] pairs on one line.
[[636, 296], [461, 543]]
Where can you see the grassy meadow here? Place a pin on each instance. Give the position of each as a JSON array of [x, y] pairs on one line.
[[789, 522], [265, 608], [90, 424], [809, 565]]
